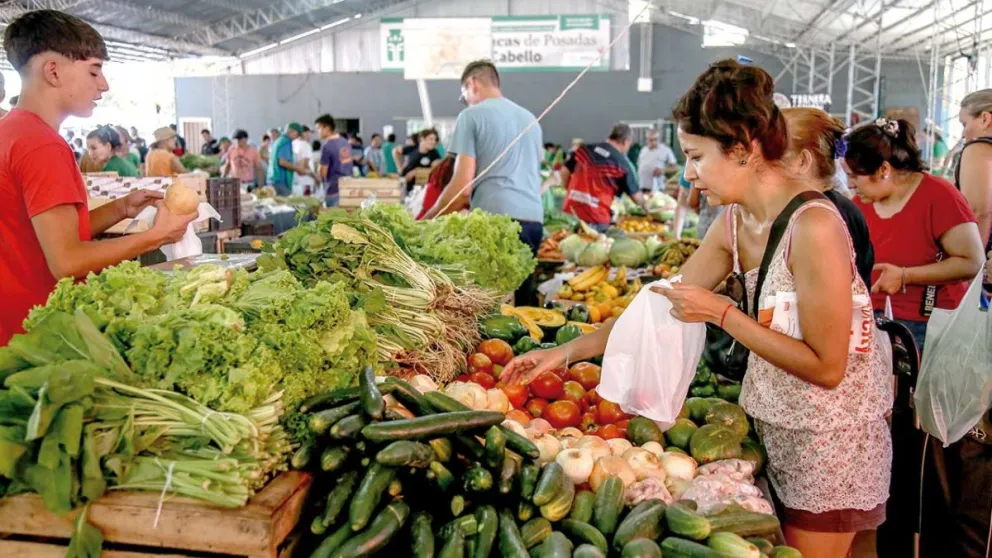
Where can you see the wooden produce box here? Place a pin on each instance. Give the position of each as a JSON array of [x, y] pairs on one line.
[[354, 191], [104, 188], [186, 527]]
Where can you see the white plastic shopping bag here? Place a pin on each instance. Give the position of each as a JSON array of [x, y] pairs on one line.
[[954, 389], [651, 358], [189, 244]]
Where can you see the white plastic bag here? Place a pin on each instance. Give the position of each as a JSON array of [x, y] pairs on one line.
[[651, 358], [954, 389], [189, 244]]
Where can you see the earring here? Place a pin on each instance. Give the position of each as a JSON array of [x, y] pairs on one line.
[[743, 162]]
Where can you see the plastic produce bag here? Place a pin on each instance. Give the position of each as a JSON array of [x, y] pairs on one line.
[[651, 358], [189, 244], [954, 389]]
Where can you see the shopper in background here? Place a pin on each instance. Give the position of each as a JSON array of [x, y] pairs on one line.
[[282, 167], [816, 141], [358, 154], [335, 159], [829, 468], [307, 134], [45, 225], [210, 145], [180, 147], [424, 156], [102, 145], [162, 159], [263, 150], [927, 245], [655, 161], [242, 161], [973, 175], [388, 150], [375, 157], [127, 149], [401, 153], [596, 174], [304, 183], [553, 159], [439, 178], [78, 148]]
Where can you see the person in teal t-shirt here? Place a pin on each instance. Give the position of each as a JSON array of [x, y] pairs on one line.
[[102, 145], [281, 166], [387, 150]]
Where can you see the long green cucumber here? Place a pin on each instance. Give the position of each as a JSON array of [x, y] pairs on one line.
[[303, 454], [369, 394], [485, 538], [433, 426], [581, 532], [608, 505], [404, 453], [369, 493], [321, 421], [647, 524], [333, 458], [683, 548], [582, 507], [495, 447], [441, 403], [348, 427], [385, 526], [745, 523], [338, 497], [333, 541], [421, 536], [329, 399], [511, 545]]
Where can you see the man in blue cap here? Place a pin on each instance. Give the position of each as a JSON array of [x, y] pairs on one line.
[[281, 165]]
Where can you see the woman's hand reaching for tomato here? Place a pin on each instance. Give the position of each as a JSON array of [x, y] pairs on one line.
[[525, 368]]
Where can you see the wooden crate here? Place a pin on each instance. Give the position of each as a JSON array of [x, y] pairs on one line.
[[186, 526], [196, 181]]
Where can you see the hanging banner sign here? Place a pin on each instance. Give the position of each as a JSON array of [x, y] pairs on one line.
[[519, 43], [819, 100]]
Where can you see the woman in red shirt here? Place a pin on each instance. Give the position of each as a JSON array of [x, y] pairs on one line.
[[927, 246]]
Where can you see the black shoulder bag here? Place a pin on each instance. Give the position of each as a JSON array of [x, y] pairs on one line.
[[723, 354]]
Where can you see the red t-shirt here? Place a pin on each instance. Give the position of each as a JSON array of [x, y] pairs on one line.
[[37, 173], [911, 238]]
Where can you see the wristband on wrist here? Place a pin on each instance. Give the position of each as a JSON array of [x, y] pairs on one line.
[[903, 288], [723, 318]]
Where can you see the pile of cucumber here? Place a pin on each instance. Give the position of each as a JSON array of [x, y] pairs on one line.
[[453, 483]]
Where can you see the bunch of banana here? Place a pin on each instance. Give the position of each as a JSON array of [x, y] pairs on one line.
[[677, 252], [585, 280]]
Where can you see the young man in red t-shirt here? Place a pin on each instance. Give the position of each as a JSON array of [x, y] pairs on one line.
[[45, 225]]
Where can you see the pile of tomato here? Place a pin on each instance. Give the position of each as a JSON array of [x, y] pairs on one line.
[[565, 397]]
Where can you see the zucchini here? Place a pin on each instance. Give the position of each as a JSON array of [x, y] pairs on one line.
[[509, 471], [443, 449], [645, 523], [329, 399], [558, 508], [442, 403], [587, 551], [467, 524], [529, 473], [317, 526], [333, 458], [686, 523], [478, 479], [348, 427], [454, 546], [674, 547], [555, 546], [485, 538], [732, 545], [641, 548], [511, 545], [385, 526], [745, 523], [495, 447], [550, 484], [369, 493], [321, 421], [333, 541], [582, 507], [425, 428], [404, 453], [369, 394], [535, 531], [785, 552], [581, 532], [764, 545], [442, 477], [457, 505], [608, 505], [303, 454], [409, 396], [525, 511], [421, 536], [338, 497]]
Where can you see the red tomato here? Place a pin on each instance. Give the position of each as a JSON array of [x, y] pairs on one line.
[[479, 362], [585, 373], [523, 417], [592, 396], [574, 392], [547, 386], [497, 370], [517, 395], [463, 378], [588, 422], [562, 414], [484, 380], [536, 407], [609, 432], [622, 425], [608, 412], [561, 373], [498, 351]]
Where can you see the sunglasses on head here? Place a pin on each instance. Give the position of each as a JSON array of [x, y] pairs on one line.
[[736, 290]]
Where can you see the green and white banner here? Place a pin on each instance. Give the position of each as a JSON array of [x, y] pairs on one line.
[[520, 43]]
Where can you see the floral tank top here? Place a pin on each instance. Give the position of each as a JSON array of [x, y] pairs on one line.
[[781, 399]]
